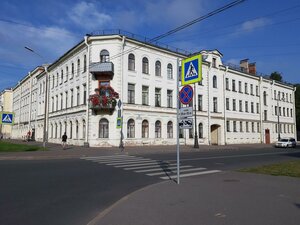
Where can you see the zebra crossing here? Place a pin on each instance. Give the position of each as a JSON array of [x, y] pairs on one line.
[[163, 169]]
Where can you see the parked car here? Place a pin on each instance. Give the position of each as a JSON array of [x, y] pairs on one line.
[[286, 143]]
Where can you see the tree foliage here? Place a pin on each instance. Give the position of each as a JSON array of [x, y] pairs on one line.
[[276, 76]]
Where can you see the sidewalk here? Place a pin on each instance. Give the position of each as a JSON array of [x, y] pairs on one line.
[[55, 151], [226, 198]]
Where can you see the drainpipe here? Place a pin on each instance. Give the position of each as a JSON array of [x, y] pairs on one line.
[[224, 100], [121, 145], [86, 141]]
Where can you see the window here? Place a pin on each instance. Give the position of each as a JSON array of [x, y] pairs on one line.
[[131, 62], [169, 98], [170, 71], [228, 126], [265, 115], [214, 62], [72, 70], [84, 63], [104, 56], [72, 96], [252, 107], [200, 130], [158, 68], [170, 129], [145, 68], [215, 104], [279, 111], [227, 104], [276, 109], [61, 76], [283, 111], [56, 101], [287, 97], [215, 85], [291, 113], [258, 127], [53, 79], [246, 88], [287, 112], [247, 126], [265, 98], [131, 93], [240, 105], [158, 129], [275, 96], [240, 86], [84, 94], [191, 133], [145, 95], [233, 105], [257, 91], [83, 129], [66, 94], [257, 107], [227, 83], [57, 80], [71, 130], [78, 67], [241, 126], [67, 73], [145, 129], [130, 128], [246, 106], [76, 130], [103, 128], [157, 97], [251, 89], [61, 101], [200, 102], [234, 126], [78, 96], [233, 85]]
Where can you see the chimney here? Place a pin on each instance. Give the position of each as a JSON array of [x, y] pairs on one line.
[[244, 65], [252, 68]]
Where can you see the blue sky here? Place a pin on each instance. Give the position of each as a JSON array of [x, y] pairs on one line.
[[267, 32]]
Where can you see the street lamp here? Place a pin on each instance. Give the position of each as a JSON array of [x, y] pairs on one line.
[[45, 133]]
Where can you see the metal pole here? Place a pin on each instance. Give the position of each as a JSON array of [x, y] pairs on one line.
[[278, 123], [178, 146], [196, 144]]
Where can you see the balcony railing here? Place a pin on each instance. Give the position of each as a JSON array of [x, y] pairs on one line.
[[105, 104], [102, 69]]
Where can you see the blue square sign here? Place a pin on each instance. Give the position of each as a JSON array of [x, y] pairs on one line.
[[7, 118], [191, 70]]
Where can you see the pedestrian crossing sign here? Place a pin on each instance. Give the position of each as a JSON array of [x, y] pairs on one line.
[[7, 118], [191, 70]]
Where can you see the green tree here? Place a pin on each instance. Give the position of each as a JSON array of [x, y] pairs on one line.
[[276, 76]]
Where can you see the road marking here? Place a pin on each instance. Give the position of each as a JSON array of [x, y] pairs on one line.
[[160, 169], [191, 174], [153, 166], [129, 163], [142, 164], [174, 171], [105, 157], [120, 161]]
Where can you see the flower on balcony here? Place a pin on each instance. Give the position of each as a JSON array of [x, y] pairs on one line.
[[105, 97]]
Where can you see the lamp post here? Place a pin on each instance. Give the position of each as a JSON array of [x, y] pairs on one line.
[[45, 133]]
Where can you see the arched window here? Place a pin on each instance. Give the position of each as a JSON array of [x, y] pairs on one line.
[[157, 129], [158, 68], [104, 56], [51, 130], [103, 128], [170, 71], [65, 127], [83, 129], [145, 129], [60, 129], [71, 130], [78, 67], [200, 130], [215, 84], [170, 129], [131, 62], [55, 131], [265, 98], [130, 128], [76, 129], [145, 65]]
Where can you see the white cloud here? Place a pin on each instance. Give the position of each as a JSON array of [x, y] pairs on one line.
[[88, 16], [251, 25]]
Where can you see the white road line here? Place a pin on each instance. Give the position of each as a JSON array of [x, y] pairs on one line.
[[106, 157], [120, 161], [153, 166], [129, 163], [191, 174], [160, 169], [174, 171], [141, 164]]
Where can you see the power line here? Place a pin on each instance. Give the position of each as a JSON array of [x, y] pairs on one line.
[[184, 26]]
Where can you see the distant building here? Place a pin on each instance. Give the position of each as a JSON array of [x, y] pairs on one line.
[[6, 106], [234, 104]]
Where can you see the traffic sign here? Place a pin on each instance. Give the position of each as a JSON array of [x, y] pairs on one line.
[[186, 112], [119, 122], [7, 118], [186, 94], [119, 103], [191, 70], [186, 123]]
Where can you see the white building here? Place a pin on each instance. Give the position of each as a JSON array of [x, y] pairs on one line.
[[234, 105], [5, 106]]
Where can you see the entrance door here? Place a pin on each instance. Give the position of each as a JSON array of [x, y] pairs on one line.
[[214, 134], [267, 136]]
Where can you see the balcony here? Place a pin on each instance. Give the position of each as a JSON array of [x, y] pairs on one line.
[[102, 70], [104, 104]]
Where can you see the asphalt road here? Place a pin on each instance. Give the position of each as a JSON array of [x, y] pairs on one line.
[[74, 191]]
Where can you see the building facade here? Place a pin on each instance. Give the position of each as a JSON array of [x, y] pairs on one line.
[[6, 97], [79, 93]]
